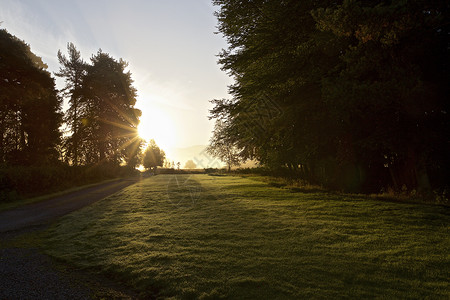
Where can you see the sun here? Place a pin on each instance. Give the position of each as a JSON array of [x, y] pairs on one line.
[[157, 126]]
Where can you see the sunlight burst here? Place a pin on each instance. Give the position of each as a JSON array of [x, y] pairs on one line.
[[158, 126]]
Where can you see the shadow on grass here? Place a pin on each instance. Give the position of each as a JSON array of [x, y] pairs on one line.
[[305, 190]]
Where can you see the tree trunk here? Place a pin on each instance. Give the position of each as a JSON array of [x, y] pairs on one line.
[[423, 181], [102, 150], [393, 177], [75, 135]]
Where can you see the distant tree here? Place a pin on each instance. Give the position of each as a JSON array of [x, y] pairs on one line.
[[178, 165], [190, 164], [223, 146], [166, 164], [30, 109], [153, 156], [73, 69]]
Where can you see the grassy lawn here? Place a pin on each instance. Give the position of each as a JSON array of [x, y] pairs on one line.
[[200, 236]]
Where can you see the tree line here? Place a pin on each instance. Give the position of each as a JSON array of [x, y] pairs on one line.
[[91, 140], [349, 94]]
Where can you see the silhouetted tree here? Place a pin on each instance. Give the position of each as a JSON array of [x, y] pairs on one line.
[[153, 156], [223, 146], [29, 106], [356, 90], [132, 154], [390, 89], [73, 69], [111, 120]]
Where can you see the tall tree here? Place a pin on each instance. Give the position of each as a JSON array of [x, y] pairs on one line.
[[278, 58], [390, 91], [111, 119], [30, 113], [73, 69], [356, 89]]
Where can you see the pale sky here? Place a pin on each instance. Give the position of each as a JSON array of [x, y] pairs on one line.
[[170, 46]]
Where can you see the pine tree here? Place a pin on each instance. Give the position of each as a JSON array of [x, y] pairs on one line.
[[111, 119], [73, 70]]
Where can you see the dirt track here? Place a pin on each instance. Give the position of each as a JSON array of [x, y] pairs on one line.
[[46, 211]]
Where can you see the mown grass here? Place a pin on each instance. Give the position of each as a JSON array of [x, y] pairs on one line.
[[200, 236]]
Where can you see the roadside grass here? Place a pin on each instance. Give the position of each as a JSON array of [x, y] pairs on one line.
[[293, 184], [17, 203], [438, 197], [209, 237]]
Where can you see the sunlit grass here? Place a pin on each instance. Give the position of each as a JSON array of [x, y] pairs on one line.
[[199, 236]]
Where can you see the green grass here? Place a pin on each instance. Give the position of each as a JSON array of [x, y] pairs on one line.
[[200, 236]]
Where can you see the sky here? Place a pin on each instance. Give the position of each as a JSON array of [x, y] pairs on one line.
[[170, 46]]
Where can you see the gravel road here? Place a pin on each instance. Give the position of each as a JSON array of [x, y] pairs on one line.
[[27, 274], [30, 274], [47, 211]]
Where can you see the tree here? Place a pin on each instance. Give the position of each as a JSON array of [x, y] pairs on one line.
[[190, 164], [110, 122], [390, 86], [358, 89], [153, 156], [223, 146], [73, 70], [277, 60], [132, 153], [166, 164], [30, 114]]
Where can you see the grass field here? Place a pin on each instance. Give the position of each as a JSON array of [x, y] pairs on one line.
[[200, 236]]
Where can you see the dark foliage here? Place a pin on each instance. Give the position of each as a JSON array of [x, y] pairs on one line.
[[101, 121], [30, 109], [352, 95]]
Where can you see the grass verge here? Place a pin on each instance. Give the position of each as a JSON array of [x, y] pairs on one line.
[[297, 185], [209, 237], [14, 204]]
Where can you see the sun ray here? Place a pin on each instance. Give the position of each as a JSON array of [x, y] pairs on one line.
[[156, 125]]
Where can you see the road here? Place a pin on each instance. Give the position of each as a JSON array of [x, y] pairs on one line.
[[46, 211]]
